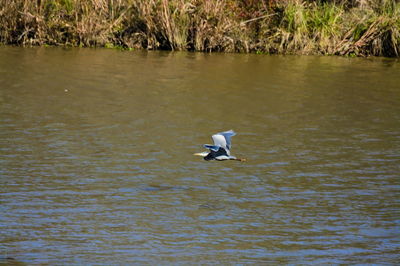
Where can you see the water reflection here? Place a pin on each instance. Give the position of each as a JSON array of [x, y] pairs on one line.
[[96, 158]]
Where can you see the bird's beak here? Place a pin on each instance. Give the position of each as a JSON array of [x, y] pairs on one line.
[[202, 154]]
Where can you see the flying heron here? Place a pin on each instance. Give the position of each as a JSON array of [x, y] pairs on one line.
[[220, 151]]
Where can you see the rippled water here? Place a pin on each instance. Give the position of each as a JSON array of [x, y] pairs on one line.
[[97, 165]]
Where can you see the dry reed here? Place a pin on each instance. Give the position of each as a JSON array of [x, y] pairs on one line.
[[357, 27]]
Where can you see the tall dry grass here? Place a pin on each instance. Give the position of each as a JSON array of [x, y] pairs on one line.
[[373, 30], [356, 27]]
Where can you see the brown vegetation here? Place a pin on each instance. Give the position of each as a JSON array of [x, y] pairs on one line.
[[358, 27]]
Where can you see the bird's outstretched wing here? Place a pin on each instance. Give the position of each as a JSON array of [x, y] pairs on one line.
[[211, 147], [223, 139]]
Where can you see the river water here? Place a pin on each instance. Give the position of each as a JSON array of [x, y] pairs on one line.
[[97, 165]]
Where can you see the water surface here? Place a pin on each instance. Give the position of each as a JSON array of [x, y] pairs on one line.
[[96, 163]]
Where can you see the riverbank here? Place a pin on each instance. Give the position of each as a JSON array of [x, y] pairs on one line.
[[352, 28]]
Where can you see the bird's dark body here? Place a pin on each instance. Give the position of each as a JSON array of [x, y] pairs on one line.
[[213, 154]]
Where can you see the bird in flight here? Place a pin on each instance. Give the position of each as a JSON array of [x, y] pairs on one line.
[[220, 151]]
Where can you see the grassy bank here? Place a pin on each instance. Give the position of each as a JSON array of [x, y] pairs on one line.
[[356, 27]]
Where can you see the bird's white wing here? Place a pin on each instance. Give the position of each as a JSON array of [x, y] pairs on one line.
[[223, 139]]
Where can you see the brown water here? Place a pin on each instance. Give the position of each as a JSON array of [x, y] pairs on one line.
[[97, 165]]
